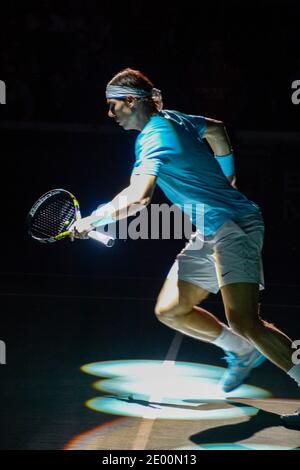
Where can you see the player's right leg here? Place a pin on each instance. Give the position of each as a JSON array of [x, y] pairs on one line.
[[191, 279], [176, 308]]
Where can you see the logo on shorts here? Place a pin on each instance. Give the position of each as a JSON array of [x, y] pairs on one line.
[[224, 274]]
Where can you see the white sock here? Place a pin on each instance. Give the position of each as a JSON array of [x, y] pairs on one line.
[[230, 341], [294, 372]]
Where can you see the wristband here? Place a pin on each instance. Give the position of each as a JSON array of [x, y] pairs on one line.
[[226, 163], [103, 220]]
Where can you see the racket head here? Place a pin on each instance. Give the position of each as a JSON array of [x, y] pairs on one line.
[[52, 215]]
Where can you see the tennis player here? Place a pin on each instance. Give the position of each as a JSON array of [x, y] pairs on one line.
[[191, 159]]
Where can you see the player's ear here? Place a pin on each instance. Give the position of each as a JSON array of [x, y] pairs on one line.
[[130, 101]]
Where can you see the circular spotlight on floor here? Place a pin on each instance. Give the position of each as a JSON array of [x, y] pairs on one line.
[[186, 389], [151, 369], [121, 407], [166, 390]]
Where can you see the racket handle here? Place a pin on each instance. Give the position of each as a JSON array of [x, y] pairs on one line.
[[107, 240]]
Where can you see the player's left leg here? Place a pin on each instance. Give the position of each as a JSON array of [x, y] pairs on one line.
[[242, 312], [237, 254]]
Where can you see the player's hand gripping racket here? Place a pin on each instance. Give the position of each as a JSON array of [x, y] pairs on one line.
[[52, 216]]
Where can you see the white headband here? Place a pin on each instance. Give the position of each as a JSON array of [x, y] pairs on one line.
[[119, 92]]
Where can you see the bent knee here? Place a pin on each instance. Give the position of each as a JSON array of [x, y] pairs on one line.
[[248, 328], [164, 313]]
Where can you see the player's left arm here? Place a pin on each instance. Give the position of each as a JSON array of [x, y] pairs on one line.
[[216, 136]]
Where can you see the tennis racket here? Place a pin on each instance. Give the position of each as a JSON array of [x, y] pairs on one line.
[[52, 216]]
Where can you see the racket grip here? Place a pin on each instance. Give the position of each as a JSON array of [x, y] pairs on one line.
[[107, 240]]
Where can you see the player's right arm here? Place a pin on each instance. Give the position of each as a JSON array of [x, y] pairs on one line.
[[133, 198], [129, 201], [153, 150]]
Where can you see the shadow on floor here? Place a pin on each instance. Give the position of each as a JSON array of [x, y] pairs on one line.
[[234, 433]]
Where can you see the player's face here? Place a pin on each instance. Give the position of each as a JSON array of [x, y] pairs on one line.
[[121, 111]]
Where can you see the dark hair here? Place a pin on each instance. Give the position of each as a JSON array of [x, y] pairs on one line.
[[136, 79]]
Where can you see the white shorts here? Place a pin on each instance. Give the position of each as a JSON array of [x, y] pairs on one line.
[[232, 254]]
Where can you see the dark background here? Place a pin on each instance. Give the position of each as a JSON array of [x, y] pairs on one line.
[[233, 61], [228, 60]]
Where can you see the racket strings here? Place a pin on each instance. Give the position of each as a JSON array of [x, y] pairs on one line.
[[53, 218]]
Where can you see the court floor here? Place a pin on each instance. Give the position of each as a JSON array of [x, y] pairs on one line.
[[91, 368]]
